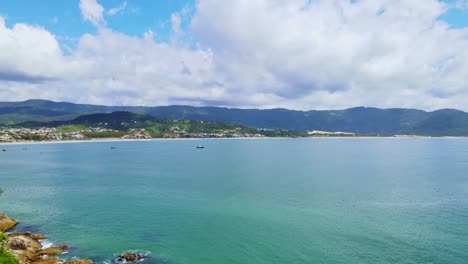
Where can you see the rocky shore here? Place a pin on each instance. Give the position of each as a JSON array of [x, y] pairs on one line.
[[27, 248]]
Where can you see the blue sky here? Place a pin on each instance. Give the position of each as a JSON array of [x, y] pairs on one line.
[[299, 54], [456, 18], [63, 18]]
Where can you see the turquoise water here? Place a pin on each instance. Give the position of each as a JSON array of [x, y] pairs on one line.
[[246, 201]]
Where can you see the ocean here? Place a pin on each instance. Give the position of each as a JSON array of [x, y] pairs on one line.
[[265, 201]]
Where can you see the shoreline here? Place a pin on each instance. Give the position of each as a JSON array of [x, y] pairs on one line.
[[88, 141], [35, 248], [109, 140]]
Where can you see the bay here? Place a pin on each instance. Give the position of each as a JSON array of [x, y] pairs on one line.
[[326, 200]]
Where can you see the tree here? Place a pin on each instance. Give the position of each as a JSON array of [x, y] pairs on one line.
[[5, 256]]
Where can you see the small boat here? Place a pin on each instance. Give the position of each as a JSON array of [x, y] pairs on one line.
[[113, 147], [200, 147], [4, 150]]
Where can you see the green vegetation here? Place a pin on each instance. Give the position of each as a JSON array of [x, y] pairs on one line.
[[359, 120], [105, 134], [5, 256], [131, 125], [283, 133], [70, 128]]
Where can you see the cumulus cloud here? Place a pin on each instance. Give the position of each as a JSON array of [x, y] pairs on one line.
[[297, 54], [114, 11], [321, 54], [140, 71], [92, 11], [106, 67], [29, 53]]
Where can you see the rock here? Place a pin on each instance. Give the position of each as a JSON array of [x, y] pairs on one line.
[[79, 261], [18, 245], [48, 261], [130, 257], [53, 250], [24, 248], [24, 242], [6, 223], [29, 234], [24, 256], [38, 236]]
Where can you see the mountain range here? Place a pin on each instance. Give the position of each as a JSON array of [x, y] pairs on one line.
[[362, 120]]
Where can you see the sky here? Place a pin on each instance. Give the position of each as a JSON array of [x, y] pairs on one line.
[[296, 54]]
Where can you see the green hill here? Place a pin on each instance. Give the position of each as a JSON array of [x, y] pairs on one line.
[[361, 120], [120, 123]]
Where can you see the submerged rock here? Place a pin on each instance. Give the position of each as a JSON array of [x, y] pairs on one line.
[[79, 261], [53, 250], [130, 257], [6, 223], [34, 229]]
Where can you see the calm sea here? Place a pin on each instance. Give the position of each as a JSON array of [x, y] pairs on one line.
[[268, 201]]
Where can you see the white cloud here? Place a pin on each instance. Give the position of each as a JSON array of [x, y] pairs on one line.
[[150, 35], [177, 18], [114, 11], [141, 71], [321, 54], [176, 21], [257, 53], [92, 12], [461, 4], [107, 67], [29, 52]]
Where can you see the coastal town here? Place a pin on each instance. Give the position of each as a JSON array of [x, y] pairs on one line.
[[20, 134]]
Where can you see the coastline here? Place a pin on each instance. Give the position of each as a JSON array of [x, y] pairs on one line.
[[34, 248], [31, 248], [110, 140], [90, 141]]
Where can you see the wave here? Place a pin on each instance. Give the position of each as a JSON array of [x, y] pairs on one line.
[[46, 243]]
